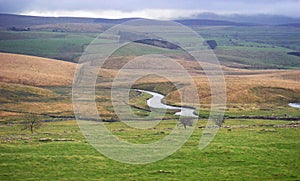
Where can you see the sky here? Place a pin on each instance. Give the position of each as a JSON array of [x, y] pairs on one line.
[[155, 9]]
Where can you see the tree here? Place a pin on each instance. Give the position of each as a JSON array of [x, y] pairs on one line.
[[219, 120], [185, 122], [211, 43], [31, 122]]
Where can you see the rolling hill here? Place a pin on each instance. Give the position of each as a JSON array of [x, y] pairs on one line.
[[240, 45], [36, 71], [21, 21]]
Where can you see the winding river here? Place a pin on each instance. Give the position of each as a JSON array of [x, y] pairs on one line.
[[295, 105], [156, 102]]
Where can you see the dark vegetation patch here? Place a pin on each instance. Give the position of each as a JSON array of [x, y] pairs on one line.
[[158, 43], [211, 43], [294, 53], [130, 36], [148, 39], [65, 92], [18, 29], [276, 95], [159, 87], [19, 95]]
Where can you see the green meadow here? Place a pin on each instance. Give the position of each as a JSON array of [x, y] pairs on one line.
[[240, 153]]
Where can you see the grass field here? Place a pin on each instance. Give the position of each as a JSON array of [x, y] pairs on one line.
[[63, 46], [257, 36], [257, 47], [256, 152]]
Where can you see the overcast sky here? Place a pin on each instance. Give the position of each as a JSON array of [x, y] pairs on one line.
[[157, 9]]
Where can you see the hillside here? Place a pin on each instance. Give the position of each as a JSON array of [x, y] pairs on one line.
[[21, 21], [9, 20], [263, 19], [239, 45], [37, 71]]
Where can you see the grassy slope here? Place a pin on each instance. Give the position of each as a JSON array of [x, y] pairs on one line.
[[244, 47], [20, 75], [36, 71], [63, 46], [277, 87], [256, 46]]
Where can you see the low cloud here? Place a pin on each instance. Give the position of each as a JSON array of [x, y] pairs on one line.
[[156, 9], [163, 14]]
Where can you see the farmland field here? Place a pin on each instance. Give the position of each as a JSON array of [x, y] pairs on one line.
[[241, 153], [46, 44]]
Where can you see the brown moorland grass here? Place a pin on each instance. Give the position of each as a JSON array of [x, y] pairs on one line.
[[17, 92], [243, 87], [251, 87], [37, 71], [246, 88]]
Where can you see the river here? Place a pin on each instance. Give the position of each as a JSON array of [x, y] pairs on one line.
[[295, 105], [156, 102]]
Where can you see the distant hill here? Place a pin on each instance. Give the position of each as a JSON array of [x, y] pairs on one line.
[[113, 21], [254, 46], [21, 21], [291, 25], [262, 19], [208, 22], [203, 19]]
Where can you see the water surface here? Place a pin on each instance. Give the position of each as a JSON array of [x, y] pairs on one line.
[[295, 105], [156, 102]]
